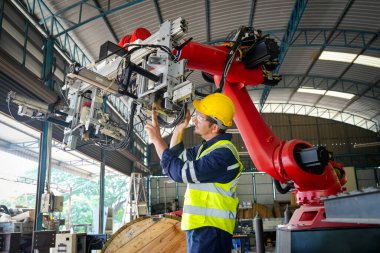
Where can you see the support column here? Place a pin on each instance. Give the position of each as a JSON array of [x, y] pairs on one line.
[[102, 179], [176, 191], [274, 190], [254, 188], [44, 168], [102, 190], [149, 194], [158, 190], [376, 177]]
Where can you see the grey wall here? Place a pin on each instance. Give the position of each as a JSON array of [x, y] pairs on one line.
[[368, 178], [264, 193], [264, 190]]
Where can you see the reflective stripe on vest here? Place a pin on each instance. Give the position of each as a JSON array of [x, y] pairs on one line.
[[212, 204], [209, 212]]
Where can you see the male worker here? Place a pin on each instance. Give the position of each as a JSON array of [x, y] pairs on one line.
[[211, 170]]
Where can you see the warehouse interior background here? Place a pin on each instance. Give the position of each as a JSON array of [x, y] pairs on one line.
[[329, 95]]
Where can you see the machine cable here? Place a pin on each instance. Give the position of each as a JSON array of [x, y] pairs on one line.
[[230, 57], [289, 186]]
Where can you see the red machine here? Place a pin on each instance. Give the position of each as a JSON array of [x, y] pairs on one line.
[[278, 158], [311, 169]]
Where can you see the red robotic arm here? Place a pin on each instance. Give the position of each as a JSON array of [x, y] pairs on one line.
[[278, 158], [268, 152]]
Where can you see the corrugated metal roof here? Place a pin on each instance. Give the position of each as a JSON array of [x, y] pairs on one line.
[[272, 15], [363, 15], [363, 74], [332, 102], [192, 11], [219, 16], [322, 13], [125, 21], [365, 106], [360, 17], [297, 60]]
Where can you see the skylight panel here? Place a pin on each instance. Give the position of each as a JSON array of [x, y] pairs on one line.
[[331, 93], [337, 56], [339, 94], [311, 91], [368, 61]]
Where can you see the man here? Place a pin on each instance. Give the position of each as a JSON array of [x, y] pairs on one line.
[[211, 170]]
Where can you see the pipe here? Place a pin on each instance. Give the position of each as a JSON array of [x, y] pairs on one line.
[[259, 234]]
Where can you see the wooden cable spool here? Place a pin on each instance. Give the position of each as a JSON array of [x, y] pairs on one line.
[[150, 235]]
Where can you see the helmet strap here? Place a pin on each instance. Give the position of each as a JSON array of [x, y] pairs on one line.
[[220, 124]]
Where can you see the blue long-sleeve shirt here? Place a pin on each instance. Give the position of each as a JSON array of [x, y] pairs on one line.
[[219, 166]]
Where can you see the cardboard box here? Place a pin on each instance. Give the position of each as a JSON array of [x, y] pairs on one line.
[[24, 215]]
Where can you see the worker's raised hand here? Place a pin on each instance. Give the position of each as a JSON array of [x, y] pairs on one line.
[[181, 126], [153, 129]]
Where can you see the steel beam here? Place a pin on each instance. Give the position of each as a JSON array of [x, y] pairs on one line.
[[32, 155], [377, 115], [158, 10], [295, 18], [329, 38], [32, 181], [361, 94], [63, 10], [348, 67], [2, 5], [44, 166], [208, 22], [105, 19], [319, 37], [360, 89], [81, 22], [252, 13], [320, 112], [25, 45], [65, 48]]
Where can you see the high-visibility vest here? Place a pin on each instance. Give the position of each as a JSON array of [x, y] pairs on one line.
[[212, 204]]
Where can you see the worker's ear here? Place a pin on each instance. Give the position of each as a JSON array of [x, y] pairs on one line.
[[214, 128]]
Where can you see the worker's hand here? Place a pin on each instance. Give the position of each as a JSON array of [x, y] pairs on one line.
[[181, 126], [153, 129]]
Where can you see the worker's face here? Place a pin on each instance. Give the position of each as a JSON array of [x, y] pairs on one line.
[[203, 127]]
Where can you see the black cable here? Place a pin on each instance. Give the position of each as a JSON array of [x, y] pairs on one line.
[[200, 94], [181, 115], [125, 142], [282, 190], [230, 58], [139, 46]]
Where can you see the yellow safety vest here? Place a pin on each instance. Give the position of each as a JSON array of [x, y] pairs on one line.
[[212, 204]]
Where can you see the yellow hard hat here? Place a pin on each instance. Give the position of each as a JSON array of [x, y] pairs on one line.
[[218, 106]]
